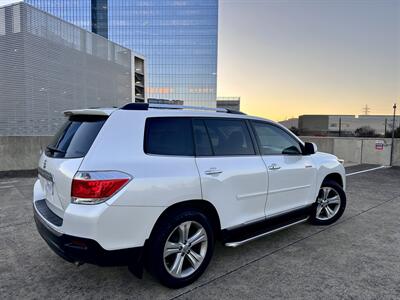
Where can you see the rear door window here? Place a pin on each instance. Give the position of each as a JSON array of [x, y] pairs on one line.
[[169, 136], [202, 141], [229, 137], [75, 137]]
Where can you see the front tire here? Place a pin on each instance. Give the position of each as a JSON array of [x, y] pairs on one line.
[[330, 204], [180, 247]]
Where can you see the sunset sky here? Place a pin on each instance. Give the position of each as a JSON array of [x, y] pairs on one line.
[[287, 58]]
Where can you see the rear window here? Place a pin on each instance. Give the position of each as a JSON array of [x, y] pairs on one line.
[[75, 137], [169, 136]]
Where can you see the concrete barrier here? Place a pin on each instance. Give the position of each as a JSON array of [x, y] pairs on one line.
[[370, 155], [358, 150], [324, 144], [22, 152], [348, 149], [396, 154]]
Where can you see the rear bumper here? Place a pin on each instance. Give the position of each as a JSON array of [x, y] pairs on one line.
[[113, 227], [82, 250]]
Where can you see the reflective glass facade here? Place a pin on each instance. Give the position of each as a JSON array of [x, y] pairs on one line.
[[78, 12], [177, 37]]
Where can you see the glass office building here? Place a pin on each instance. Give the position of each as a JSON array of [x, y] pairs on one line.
[[177, 37], [77, 12]]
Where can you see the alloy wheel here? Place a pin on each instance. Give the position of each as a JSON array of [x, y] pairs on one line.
[[185, 249], [328, 203]]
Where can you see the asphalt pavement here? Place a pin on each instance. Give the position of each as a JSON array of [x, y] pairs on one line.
[[358, 257]]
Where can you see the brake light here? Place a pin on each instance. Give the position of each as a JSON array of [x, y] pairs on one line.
[[97, 187]]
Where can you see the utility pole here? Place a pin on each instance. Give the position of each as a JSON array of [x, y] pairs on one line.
[[340, 126], [393, 129]]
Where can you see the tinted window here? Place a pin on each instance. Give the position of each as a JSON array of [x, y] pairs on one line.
[[274, 140], [75, 137], [202, 142], [169, 136], [229, 137]]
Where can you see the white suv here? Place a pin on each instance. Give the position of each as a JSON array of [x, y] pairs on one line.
[[154, 186]]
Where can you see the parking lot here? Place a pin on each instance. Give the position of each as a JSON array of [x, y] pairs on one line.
[[357, 257]]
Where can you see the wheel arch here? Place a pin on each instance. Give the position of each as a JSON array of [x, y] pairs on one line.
[[203, 206], [336, 177]]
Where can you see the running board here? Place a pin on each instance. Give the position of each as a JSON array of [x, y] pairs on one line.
[[239, 243], [236, 236]]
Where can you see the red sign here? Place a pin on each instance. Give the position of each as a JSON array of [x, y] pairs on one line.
[[379, 145]]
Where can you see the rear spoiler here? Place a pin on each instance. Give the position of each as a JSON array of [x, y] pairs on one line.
[[90, 111]]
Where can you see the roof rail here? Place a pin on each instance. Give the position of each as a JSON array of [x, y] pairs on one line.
[[135, 106], [232, 111], [173, 106], [146, 106]]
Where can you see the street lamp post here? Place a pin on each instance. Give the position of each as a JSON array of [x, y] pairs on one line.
[[393, 129]]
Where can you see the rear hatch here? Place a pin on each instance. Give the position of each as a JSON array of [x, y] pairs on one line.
[[63, 156]]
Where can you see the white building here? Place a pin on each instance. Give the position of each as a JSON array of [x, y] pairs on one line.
[[232, 103], [326, 124]]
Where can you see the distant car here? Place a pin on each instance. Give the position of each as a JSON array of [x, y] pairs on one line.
[[155, 186]]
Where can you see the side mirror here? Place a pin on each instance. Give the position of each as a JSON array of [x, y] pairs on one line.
[[310, 148]]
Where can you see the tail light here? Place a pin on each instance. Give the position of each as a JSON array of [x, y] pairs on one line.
[[96, 187]]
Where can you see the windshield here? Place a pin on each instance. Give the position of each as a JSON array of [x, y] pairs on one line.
[[75, 137]]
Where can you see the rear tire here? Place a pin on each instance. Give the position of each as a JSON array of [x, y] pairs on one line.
[[330, 204], [180, 247]]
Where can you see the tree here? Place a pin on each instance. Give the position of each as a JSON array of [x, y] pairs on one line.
[[365, 131], [396, 133], [295, 130]]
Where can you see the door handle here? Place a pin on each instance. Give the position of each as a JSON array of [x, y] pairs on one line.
[[274, 167], [213, 171]]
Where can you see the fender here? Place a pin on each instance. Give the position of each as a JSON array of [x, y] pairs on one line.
[[326, 165]]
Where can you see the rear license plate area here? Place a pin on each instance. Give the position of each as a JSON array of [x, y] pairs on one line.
[[48, 184]]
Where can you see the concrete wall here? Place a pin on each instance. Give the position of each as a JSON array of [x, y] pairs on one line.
[[348, 149], [396, 154], [22, 152], [358, 150], [324, 144]]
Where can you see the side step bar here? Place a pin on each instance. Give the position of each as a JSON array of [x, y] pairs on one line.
[[239, 243]]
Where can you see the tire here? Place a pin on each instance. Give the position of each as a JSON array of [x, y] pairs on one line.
[[172, 228], [330, 204]]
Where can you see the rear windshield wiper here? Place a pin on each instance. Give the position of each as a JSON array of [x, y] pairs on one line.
[[53, 149]]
